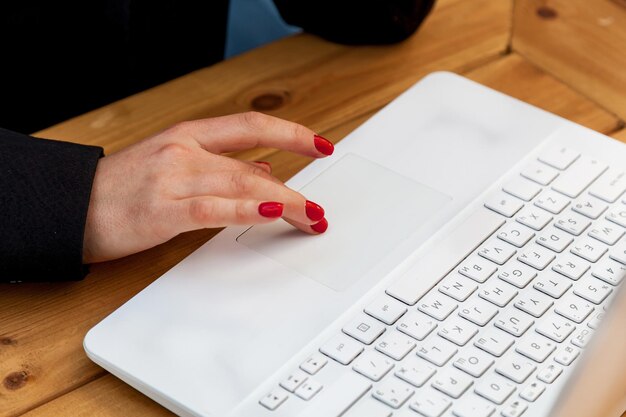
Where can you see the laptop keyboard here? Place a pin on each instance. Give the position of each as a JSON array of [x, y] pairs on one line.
[[499, 329]]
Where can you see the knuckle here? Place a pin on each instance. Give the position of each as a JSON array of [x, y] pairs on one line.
[[299, 131], [240, 182], [202, 212], [254, 120], [241, 212], [173, 151]]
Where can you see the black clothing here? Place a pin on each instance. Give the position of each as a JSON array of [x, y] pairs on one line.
[[64, 58]]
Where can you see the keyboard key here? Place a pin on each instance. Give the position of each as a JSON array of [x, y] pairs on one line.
[[578, 177], [473, 361], [533, 303], [494, 341], [573, 223], [436, 351], [339, 397], [368, 407], [522, 188], [514, 408], [617, 215], [393, 392], [497, 292], [364, 328], [535, 347], [494, 388], [570, 266], [609, 271], [430, 403], [532, 391], [582, 337], [589, 206], [540, 173], [610, 185], [555, 327], [513, 322], [308, 389], [274, 399], [555, 239], [618, 253], [373, 365], [478, 311], [566, 355], [496, 251], [293, 381], [549, 373], [596, 319], [552, 284], [386, 309], [592, 289], [437, 305], [559, 157], [457, 330], [457, 286], [515, 234], [534, 217], [515, 367], [574, 308], [416, 325], [395, 345], [588, 248], [552, 201], [517, 273], [451, 382], [477, 268], [504, 204], [536, 256], [314, 363], [472, 406], [342, 348], [606, 232], [415, 371]]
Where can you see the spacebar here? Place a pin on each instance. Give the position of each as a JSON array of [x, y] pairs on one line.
[[439, 260], [340, 396]]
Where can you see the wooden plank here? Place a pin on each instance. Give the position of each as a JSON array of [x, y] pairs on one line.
[[106, 396], [316, 82], [620, 135], [582, 42]]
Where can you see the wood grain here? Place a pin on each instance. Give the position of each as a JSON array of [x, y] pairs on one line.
[[582, 42], [94, 398]]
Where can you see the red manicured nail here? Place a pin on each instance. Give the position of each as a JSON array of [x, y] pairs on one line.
[[323, 145], [314, 211], [264, 163], [321, 226], [271, 209]]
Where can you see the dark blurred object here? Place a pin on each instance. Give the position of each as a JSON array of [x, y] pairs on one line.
[[357, 21], [63, 58]]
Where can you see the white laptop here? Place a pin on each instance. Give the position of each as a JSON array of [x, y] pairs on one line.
[[475, 242]]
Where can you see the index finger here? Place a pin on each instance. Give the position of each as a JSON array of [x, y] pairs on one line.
[[250, 130]]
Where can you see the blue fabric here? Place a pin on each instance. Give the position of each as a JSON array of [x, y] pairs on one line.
[[252, 23]]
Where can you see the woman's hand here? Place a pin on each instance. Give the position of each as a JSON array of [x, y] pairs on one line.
[[178, 181]]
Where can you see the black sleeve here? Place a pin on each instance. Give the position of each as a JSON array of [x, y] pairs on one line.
[[45, 187], [356, 21]]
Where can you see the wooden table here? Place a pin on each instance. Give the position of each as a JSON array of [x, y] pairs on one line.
[[566, 56]]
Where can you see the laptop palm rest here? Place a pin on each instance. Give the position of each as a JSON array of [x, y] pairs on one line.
[[370, 209]]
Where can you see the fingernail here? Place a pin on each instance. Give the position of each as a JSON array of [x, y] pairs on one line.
[[323, 145], [264, 163], [320, 227], [271, 209], [314, 211]]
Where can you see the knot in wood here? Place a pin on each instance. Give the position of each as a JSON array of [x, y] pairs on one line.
[[269, 101], [15, 380], [547, 13]]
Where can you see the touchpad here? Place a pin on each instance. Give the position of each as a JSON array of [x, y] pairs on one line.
[[370, 210]]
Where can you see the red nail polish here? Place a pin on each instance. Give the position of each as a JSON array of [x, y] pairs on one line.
[[271, 209], [313, 211], [323, 145], [321, 226]]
